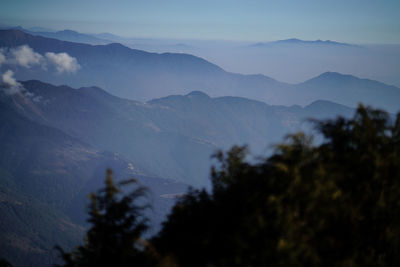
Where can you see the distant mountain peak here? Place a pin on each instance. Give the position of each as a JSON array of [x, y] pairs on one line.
[[333, 74], [303, 42], [197, 94], [326, 42], [118, 45], [290, 40], [325, 104], [336, 76], [68, 31]]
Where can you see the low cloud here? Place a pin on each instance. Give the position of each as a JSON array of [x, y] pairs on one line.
[[8, 78], [25, 56], [10, 84], [63, 62]]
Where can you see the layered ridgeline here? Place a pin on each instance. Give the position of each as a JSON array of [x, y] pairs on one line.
[[64, 35], [53, 140], [57, 141], [171, 137], [136, 74], [45, 178]]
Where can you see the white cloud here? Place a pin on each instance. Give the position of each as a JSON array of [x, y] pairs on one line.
[[25, 56], [63, 62], [11, 85], [8, 78]]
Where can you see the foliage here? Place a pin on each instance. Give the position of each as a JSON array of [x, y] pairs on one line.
[[5, 263], [335, 204], [117, 225]]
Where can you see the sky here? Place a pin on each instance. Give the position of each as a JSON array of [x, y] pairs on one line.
[[353, 21]]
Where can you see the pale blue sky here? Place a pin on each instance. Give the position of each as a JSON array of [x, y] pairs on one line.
[[355, 21]]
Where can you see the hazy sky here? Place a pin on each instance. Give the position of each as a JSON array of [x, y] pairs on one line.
[[356, 21]]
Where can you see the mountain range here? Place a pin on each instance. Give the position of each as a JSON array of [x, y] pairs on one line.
[[156, 117], [295, 41], [45, 178], [140, 75], [64, 35], [171, 137]]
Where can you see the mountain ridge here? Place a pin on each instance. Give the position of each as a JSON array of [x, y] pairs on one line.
[[45, 177], [140, 75], [59, 157], [291, 41], [332, 75]]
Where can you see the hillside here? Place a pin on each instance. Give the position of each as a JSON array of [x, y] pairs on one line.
[[171, 137], [140, 75], [45, 178]]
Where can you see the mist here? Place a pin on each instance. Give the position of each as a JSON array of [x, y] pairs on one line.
[[288, 62]]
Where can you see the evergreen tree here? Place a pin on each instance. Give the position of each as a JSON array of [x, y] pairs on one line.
[[117, 223], [335, 204], [5, 263]]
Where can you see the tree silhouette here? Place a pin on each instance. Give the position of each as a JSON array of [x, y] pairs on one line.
[[335, 204], [4, 263], [114, 238]]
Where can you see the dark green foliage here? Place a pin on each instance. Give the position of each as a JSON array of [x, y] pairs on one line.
[[336, 204], [4, 263], [117, 225], [29, 229]]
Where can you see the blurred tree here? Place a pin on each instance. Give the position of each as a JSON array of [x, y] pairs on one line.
[[114, 238], [336, 204], [5, 263]]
